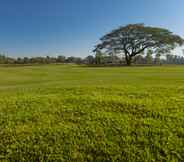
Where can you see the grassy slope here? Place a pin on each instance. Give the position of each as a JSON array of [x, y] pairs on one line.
[[72, 113]]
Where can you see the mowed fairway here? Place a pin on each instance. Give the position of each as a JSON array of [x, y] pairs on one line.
[[83, 114]]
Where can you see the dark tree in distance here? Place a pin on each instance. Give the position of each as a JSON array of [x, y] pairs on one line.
[[98, 57], [149, 58], [89, 60]]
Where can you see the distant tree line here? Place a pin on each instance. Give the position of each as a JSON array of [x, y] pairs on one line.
[[147, 58], [40, 60]]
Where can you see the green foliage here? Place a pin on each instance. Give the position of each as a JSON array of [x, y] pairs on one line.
[[133, 39], [149, 57], [72, 113], [98, 57]]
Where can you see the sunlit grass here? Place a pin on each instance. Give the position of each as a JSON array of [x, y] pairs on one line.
[[73, 113]]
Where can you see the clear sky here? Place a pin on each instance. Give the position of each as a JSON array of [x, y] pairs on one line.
[[73, 27]]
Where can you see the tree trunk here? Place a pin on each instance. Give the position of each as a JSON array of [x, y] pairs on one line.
[[128, 60]]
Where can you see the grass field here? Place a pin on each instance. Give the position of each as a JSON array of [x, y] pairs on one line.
[[83, 114]]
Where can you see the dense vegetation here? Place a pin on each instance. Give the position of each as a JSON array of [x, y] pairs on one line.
[[147, 58], [73, 113]]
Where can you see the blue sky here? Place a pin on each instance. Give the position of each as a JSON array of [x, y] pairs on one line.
[[73, 27]]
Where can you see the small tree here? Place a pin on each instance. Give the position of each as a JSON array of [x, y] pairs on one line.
[[89, 60], [61, 59], [149, 58], [98, 57], [157, 59], [133, 39]]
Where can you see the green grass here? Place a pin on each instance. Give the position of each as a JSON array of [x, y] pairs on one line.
[[82, 114]]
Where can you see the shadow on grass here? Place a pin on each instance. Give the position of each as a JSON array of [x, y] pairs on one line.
[[117, 65]]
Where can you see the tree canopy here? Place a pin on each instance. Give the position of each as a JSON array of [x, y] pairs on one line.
[[134, 39]]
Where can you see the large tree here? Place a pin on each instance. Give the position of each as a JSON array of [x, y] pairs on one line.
[[134, 39]]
